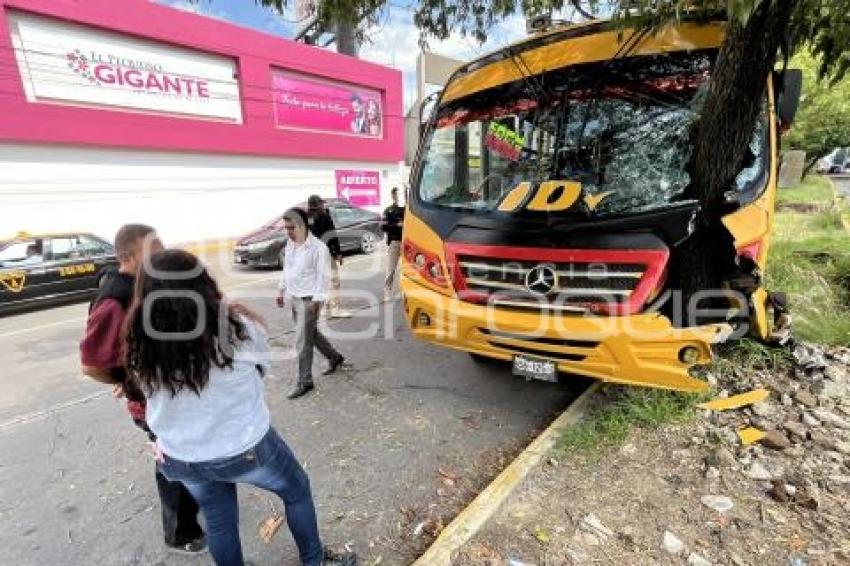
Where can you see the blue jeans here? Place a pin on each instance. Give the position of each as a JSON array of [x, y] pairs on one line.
[[269, 465]]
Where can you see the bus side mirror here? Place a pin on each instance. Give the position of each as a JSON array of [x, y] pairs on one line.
[[787, 88]]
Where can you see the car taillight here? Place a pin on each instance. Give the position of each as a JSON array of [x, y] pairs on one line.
[[427, 264]]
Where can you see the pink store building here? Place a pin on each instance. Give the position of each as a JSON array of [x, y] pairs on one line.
[[132, 111]]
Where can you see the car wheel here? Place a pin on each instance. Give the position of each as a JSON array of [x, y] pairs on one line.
[[368, 242]]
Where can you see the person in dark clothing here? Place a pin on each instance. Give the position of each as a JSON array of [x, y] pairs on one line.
[[101, 357], [322, 227], [392, 225]]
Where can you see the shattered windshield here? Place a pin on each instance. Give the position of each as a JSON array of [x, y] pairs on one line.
[[622, 129]]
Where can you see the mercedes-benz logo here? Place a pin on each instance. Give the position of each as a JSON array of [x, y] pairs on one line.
[[541, 279]]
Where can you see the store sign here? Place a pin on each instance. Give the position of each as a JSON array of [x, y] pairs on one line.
[[360, 188], [326, 106], [73, 64]]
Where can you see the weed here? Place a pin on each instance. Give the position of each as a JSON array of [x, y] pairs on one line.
[[736, 360], [810, 260], [622, 409]]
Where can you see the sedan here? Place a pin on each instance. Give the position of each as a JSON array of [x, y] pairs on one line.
[[50, 269], [358, 229]]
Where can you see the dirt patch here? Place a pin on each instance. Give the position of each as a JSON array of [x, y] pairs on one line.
[[802, 207], [693, 493]]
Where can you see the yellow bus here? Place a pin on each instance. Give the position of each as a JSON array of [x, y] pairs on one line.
[[547, 207]]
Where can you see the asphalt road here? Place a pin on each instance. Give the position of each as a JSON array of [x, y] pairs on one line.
[[76, 481]]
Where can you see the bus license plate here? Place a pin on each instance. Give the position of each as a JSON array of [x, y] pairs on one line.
[[535, 368]]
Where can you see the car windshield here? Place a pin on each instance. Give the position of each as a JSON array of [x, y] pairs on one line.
[[276, 223], [621, 128], [20, 253]]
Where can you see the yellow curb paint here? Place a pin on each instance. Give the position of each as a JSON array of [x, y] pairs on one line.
[[211, 246], [750, 435], [477, 513], [736, 401]]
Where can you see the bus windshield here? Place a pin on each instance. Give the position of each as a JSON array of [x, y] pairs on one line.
[[621, 128]]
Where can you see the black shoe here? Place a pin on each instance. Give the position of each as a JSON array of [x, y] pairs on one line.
[[339, 558], [300, 390], [334, 365], [193, 547]]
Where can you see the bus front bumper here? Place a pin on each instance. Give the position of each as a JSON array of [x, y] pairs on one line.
[[642, 349]]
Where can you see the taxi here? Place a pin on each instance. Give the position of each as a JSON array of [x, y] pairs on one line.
[[49, 269]]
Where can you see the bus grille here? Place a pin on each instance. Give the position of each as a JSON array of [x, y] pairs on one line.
[[610, 281]]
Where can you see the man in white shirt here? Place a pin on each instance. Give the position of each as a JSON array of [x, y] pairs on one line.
[[305, 284]]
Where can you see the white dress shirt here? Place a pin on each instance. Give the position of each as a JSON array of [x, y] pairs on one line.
[[306, 269]]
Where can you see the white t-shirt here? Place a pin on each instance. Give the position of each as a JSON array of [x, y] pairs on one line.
[[229, 416]]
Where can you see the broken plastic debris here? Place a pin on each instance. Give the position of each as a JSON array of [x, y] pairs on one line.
[[542, 535], [750, 434], [269, 527], [736, 401]]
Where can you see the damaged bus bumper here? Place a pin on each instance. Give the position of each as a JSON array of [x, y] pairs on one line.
[[640, 349]]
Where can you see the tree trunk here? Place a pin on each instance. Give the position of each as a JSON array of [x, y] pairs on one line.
[[734, 101], [346, 39], [812, 162]]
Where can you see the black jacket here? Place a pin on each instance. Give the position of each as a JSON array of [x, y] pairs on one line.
[[112, 284], [393, 220], [322, 226]]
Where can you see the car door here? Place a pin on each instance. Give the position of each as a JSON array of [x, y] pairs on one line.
[[345, 220], [68, 267], [22, 275]]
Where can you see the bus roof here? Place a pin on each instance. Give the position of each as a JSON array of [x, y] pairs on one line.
[[565, 46]]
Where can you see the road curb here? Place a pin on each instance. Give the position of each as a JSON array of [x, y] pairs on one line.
[[482, 508]]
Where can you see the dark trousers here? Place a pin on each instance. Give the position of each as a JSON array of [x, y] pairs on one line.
[[307, 337], [179, 512]]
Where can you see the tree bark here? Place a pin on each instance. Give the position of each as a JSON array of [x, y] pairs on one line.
[[812, 162], [734, 101], [346, 39]]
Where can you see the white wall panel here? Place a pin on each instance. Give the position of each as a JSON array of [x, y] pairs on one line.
[[187, 197]]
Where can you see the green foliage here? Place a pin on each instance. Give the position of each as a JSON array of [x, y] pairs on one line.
[[745, 356], [810, 260], [822, 25], [823, 120], [621, 410]]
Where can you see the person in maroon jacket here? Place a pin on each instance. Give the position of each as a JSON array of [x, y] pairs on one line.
[[101, 354]]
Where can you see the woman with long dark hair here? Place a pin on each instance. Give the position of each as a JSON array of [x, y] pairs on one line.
[[200, 362]]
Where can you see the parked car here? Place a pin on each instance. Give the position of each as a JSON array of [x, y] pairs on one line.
[[49, 269], [358, 229]]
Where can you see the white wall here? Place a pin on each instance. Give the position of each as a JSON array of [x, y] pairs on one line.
[[187, 197]]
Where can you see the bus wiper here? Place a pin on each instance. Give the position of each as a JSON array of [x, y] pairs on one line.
[[532, 85]]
